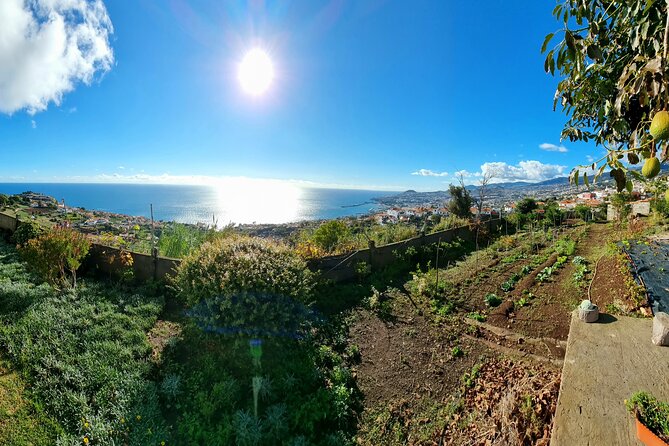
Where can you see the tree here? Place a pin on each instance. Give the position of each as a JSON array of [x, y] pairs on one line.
[[620, 203], [552, 214], [526, 205], [583, 212], [56, 254], [4, 201], [461, 202], [613, 64], [488, 175]]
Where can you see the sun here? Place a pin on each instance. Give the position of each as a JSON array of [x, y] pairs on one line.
[[255, 72]]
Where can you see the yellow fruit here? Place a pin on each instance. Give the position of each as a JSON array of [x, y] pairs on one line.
[[651, 167], [659, 128], [666, 195]]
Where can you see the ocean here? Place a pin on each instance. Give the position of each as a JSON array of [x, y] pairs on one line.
[[238, 201]]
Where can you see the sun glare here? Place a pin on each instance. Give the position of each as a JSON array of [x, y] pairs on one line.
[[255, 72]]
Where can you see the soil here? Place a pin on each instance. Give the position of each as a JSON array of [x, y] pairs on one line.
[[160, 335], [412, 372], [548, 313], [409, 357]]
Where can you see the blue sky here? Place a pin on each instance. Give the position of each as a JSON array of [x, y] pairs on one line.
[[367, 93]]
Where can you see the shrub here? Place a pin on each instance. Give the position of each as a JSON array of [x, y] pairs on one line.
[[505, 243], [330, 235], [652, 413], [56, 253], [492, 300], [241, 265], [26, 231]]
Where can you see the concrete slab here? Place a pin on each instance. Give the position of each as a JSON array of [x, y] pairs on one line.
[[605, 363]]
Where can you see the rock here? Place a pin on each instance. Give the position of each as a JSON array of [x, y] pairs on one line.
[[661, 329], [588, 312]]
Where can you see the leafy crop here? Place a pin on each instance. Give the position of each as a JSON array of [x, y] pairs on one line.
[[492, 300], [652, 413]]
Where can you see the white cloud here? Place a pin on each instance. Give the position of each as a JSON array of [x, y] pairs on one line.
[[429, 173], [530, 171], [590, 158], [33, 124], [47, 47], [553, 148], [466, 174]]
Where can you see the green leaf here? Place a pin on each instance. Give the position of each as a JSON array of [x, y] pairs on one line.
[[595, 53], [629, 186], [585, 179], [546, 40]]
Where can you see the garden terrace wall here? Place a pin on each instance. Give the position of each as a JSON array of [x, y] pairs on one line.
[[343, 267], [105, 259], [7, 222]]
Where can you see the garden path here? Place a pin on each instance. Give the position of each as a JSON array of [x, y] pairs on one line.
[[605, 363]]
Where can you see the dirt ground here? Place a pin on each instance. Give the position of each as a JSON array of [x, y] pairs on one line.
[[437, 380]]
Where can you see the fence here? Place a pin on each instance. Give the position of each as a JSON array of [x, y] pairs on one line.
[[105, 259], [343, 267]]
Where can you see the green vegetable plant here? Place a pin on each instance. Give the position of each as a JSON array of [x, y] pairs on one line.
[[651, 413]]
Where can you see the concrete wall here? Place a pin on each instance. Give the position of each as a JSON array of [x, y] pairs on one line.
[[7, 222], [641, 208], [343, 267], [105, 259]]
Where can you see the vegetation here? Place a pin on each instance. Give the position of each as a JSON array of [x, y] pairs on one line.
[[461, 201], [233, 266], [56, 255], [178, 240], [613, 64], [652, 413], [26, 231], [84, 355]]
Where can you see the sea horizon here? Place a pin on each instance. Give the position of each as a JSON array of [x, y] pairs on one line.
[[237, 203]]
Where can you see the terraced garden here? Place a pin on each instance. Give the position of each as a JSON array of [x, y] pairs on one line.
[[469, 353]]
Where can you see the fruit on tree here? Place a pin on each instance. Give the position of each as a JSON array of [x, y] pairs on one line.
[[651, 167], [659, 127]]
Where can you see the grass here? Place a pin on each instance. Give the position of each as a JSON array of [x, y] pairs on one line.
[[22, 423], [84, 354], [83, 373]]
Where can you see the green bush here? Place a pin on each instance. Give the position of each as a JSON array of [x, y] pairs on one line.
[[236, 265], [26, 231], [331, 235], [565, 247], [652, 413], [56, 254]]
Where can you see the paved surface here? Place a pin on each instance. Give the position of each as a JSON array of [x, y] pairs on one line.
[[606, 362]]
